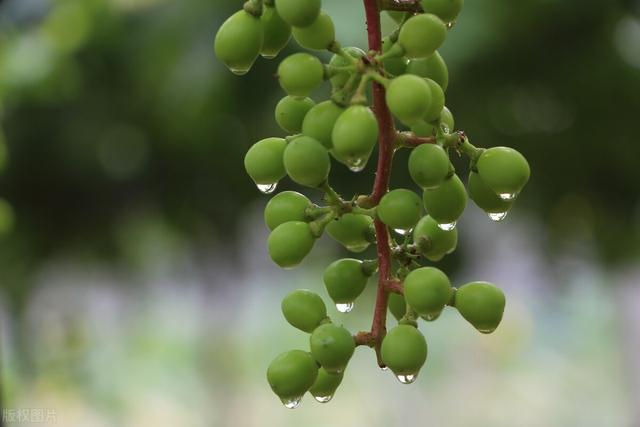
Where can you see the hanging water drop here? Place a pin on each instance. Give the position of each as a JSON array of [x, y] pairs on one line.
[[497, 216], [358, 247], [292, 402], [407, 379], [451, 24], [345, 307], [239, 71], [323, 399], [270, 56], [267, 188], [401, 231], [356, 165], [507, 196], [385, 368], [447, 227]]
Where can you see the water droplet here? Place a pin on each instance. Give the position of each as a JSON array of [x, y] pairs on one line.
[[239, 71], [447, 227], [292, 403], [345, 307], [507, 196], [446, 129], [497, 216], [401, 231], [323, 399], [357, 165], [451, 24], [358, 248], [270, 56], [385, 368], [407, 379], [267, 188]]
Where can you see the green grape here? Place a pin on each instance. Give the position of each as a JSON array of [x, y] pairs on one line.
[[397, 306], [290, 113], [394, 65], [263, 161], [238, 42], [307, 161], [400, 209], [7, 217], [421, 35], [276, 32], [355, 133], [319, 121], [396, 15], [352, 231], [486, 199], [291, 375], [345, 279], [437, 101], [404, 351], [429, 165], [304, 309], [422, 128], [290, 243], [447, 10], [299, 13], [317, 36], [432, 67], [446, 203], [341, 78], [299, 74], [284, 207], [427, 290], [481, 304], [409, 98], [504, 170], [326, 385], [441, 242], [332, 346], [446, 118]]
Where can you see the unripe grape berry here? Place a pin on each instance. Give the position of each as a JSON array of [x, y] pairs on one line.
[[290, 243], [341, 78], [429, 165], [404, 350], [238, 41], [307, 161], [332, 346], [446, 203], [276, 32], [352, 231], [263, 161], [400, 209], [409, 98], [355, 133], [326, 385], [481, 304], [319, 121], [504, 170], [299, 74], [397, 306], [447, 10], [427, 290], [421, 35], [396, 65], [304, 309], [446, 118], [432, 67], [484, 197], [284, 207], [299, 13], [290, 113], [291, 374], [422, 128], [442, 242], [317, 36], [396, 15], [345, 280], [437, 101]]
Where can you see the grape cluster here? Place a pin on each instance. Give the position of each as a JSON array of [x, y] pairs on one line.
[[410, 79]]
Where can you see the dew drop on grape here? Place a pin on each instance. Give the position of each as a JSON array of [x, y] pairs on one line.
[[267, 188], [497, 216], [238, 71], [345, 307], [357, 165], [507, 196], [268, 56], [451, 24], [447, 227], [407, 379], [323, 399], [292, 403], [385, 368], [401, 231]]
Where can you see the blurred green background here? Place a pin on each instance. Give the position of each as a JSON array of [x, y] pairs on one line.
[[135, 288]]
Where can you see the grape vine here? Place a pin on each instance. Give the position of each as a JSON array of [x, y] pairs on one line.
[[407, 79]]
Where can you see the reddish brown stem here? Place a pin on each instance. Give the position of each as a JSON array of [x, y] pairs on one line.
[[411, 140], [395, 286], [381, 184]]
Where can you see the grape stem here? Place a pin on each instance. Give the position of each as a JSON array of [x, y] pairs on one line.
[[409, 139], [400, 5]]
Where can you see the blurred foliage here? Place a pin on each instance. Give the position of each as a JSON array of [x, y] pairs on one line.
[[117, 109]]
